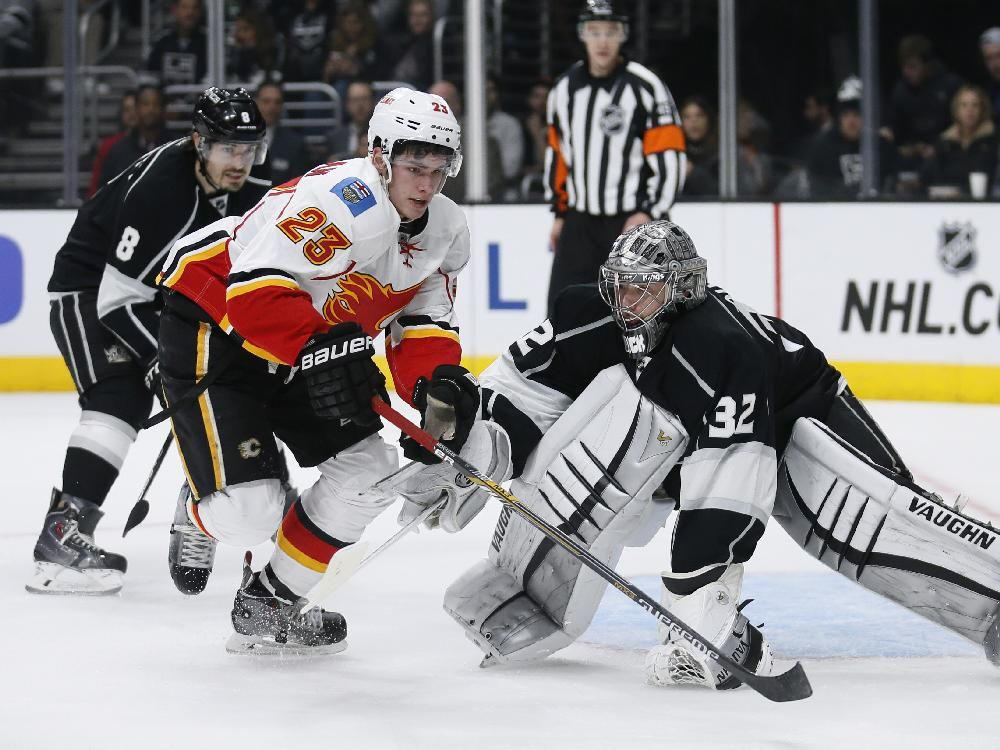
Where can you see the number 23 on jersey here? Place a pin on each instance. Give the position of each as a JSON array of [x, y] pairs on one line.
[[309, 221]]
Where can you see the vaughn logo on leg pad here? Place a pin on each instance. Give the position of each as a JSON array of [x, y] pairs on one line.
[[958, 525], [336, 351]]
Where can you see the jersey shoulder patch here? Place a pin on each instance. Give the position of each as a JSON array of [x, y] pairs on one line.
[[355, 194]]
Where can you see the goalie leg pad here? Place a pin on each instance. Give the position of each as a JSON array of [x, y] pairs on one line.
[[886, 533], [503, 621], [592, 476]]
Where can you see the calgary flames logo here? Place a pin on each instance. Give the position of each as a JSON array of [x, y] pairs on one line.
[[367, 302]]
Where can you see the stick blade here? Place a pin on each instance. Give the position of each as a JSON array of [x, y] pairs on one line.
[[792, 685], [136, 516], [342, 566]]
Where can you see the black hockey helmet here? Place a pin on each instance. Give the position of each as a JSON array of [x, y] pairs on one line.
[[230, 116], [600, 10]]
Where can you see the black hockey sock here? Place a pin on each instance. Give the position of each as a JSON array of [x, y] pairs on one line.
[[275, 584], [87, 475]]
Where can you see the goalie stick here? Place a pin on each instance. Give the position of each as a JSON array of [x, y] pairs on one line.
[[791, 685]]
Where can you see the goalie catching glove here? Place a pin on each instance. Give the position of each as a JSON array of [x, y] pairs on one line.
[[487, 448], [448, 404], [340, 374]]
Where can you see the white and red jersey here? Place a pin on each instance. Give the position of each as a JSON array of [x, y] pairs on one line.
[[324, 249]]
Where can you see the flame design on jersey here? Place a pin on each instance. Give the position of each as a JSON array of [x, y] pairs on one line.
[[363, 299]]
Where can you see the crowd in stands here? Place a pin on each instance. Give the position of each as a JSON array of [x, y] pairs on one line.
[[936, 128]]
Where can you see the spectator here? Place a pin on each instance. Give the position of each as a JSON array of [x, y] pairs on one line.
[[702, 141], [17, 50], [286, 150], [128, 118], [306, 38], [969, 145], [504, 128], [989, 46], [410, 55], [919, 108], [180, 55], [149, 132], [455, 188], [255, 52], [352, 46], [817, 115], [753, 136], [834, 164], [344, 140], [535, 128]]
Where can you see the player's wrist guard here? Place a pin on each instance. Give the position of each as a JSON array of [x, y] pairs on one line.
[[340, 374], [448, 404]]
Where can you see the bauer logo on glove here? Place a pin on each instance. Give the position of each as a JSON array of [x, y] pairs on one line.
[[341, 375], [336, 350]]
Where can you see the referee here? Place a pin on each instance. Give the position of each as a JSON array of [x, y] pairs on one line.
[[615, 155]]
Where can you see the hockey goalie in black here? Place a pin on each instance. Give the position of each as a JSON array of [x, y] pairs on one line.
[[680, 398], [105, 311]]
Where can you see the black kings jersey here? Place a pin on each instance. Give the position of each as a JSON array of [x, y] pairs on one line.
[[736, 379], [121, 236]]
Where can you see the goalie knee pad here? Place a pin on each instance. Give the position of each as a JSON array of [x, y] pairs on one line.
[[886, 533], [713, 613], [592, 476]]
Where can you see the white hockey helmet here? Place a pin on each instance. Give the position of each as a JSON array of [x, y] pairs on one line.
[[405, 115], [652, 275]]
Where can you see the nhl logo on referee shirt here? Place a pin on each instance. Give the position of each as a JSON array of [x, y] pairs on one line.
[[612, 119], [957, 246]]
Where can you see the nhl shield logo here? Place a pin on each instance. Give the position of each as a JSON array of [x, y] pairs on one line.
[[612, 119], [957, 246]]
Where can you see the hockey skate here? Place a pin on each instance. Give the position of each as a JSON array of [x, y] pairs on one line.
[[266, 624], [66, 559], [674, 664], [192, 552]]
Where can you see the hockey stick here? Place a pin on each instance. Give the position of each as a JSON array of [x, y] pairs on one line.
[[342, 566], [141, 508], [789, 686]]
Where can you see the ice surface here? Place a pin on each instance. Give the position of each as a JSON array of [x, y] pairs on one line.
[[147, 668]]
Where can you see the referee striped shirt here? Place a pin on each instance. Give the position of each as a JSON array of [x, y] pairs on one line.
[[615, 145]]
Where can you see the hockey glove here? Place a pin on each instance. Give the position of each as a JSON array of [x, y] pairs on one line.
[[448, 404], [487, 448], [341, 375]]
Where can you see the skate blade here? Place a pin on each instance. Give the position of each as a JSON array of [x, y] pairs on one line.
[[252, 645], [51, 578]]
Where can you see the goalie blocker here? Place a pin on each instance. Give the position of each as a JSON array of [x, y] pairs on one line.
[[592, 475], [888, 534]]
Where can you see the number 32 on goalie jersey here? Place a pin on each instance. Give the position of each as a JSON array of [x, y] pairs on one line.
[[310, 220], [729, 419]]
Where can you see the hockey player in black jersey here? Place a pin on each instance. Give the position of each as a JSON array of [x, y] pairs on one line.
[[105, 316], [735, 417]]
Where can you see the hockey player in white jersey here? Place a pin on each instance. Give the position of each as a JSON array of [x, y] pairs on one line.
[[744, 419], [282, 305]]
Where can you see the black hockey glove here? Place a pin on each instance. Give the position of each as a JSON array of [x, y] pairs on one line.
[[341, 375], [448, 405]]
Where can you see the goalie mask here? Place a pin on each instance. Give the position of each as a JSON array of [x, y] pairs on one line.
[[652, 275], [404, 117]]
